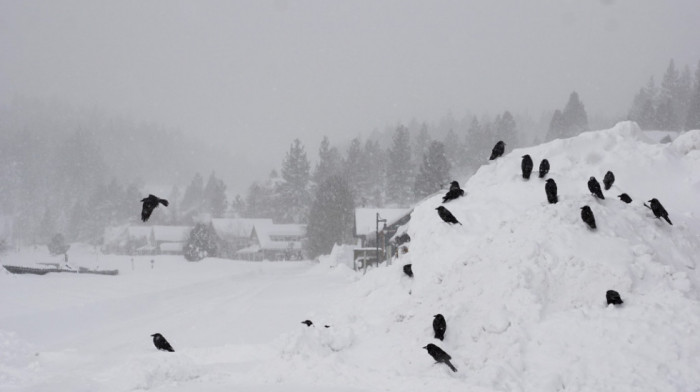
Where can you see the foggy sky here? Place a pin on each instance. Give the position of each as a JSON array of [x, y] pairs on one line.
[[255, 74]]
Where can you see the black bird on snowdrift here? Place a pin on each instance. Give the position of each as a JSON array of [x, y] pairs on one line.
[[439, 355], [149, 204], [613, 297], [408, 270], [308, 323], [551, 189], [659, 210], [608, 180], [587, 216], [594, 187], [439, 326], [625, 197], [526, 166], [498, 150], [544, 168], [446, 215], [160, 343], [454, 192]]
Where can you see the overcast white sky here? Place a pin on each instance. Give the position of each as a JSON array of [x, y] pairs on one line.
[[257, 73]]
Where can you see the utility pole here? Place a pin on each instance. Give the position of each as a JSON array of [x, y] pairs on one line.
[[377, 239]]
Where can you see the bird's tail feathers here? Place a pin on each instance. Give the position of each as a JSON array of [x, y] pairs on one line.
[[668, 220], [448, 363]]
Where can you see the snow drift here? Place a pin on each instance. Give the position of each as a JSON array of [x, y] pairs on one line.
[[522, 284]]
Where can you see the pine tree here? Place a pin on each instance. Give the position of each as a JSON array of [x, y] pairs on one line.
[[693, 117], [193, 197], [455, 152], [294, 191], [569, 122], [476, 145], [556, 126], [238, 207], [505, 128], [331, 217], [58, 245], [215, 197], [201, 243], [373, 181], [329, 163], [434, 172], [420, 144], [667, 115], [352, 168], [400, 169]]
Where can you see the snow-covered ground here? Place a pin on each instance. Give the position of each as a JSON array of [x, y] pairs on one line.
[[522, 286]]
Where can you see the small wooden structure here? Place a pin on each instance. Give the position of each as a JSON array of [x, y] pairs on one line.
[[15, 269]]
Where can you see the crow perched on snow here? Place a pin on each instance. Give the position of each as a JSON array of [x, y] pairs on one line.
[[150, 203], [454, 192], [439, 326], [608, 180], [625, 197], [439, 355], [308, 323], [160, 343], [551, 189], [659, 210], [446, 215], [544, 168], [526, 166], [408, 270], [594, 187], [587, 216], [498, 150], [613, 297]]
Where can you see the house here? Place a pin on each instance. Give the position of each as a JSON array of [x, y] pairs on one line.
[[235, 234], [271, 241], [389, 221], [145, 240]]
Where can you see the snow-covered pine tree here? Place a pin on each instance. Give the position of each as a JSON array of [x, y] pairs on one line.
[[352, 168], [331, 217], [191, 203], [400, 169], [214, 196], [201, 243], [294, 190], [434, 172], [693, 117], [329, 162]]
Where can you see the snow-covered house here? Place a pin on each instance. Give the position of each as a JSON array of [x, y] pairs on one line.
[[145, 240], [235, 234], [275, 242], [388, 220]]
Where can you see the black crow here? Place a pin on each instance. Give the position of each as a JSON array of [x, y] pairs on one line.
[[613, 297], [160, 343], [439, 355], [587, 216], [659, 210], [498, 150], [439, 326], [625, 197], [526, 166], [454, 192], [551, 189], [594, 187], [446, 215], [608, 180], [544, 168], [149, 204], [308, 323], [408, 270]]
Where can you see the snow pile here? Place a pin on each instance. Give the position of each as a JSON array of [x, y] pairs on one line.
[[522, 284]]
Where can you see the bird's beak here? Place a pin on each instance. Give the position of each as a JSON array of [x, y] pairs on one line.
[[425, 347]]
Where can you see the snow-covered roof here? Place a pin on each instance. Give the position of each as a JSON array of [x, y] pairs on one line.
[[138, 231], [366, 218], [171, 247], [266, 234], [171, 233], [240, 227]]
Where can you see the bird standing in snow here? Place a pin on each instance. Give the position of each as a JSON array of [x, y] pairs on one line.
[[160, 343], [454, 192], [625, 197], [551, 189], [526, 166], [608, 180], [544, 168], [439, 326], [149, 204], [594, 187], [439, 355], [498, 150], [613, 297], [587, 216], [446, 215], [308, 323], [659, 210], [408, 270]]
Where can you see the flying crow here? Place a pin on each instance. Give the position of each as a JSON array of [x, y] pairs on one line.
[[544, 168], [551, 189], [408, 270], [613, 297], [587, 216], [160, 343], [594, 187], [497, 150], [526, 166], [659, 210], [149, 204], [625, 197], [608, 180], [454, 192], [446, 215], [439, 355], [439, 326]]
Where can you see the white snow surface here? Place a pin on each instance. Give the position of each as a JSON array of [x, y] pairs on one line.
[[521, 284]]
